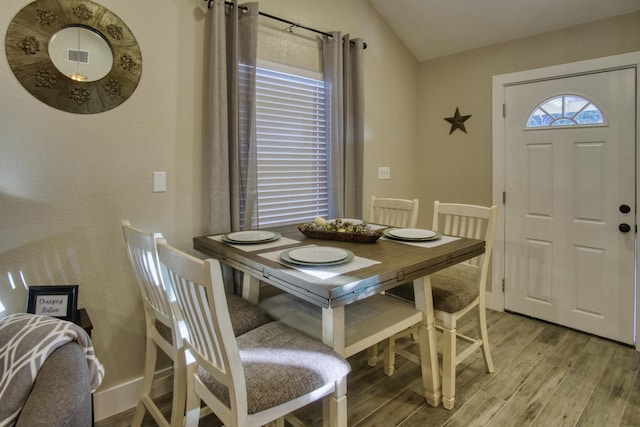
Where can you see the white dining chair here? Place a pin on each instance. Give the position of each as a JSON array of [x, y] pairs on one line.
[[160, 330], [456, 291], [394, 212], [258, 377]]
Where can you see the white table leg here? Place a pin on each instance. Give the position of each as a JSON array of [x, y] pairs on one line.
[[427, 341], [333, 333], [250, 288]]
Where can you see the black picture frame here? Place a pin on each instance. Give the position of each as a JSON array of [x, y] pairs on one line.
[[54, 301]]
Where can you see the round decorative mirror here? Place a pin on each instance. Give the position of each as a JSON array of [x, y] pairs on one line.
[[74, 55]]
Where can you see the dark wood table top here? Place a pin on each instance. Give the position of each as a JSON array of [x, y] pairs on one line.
[[398, 263]]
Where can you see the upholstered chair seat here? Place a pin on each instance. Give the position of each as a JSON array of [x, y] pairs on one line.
[[452, 294], [278, 354]]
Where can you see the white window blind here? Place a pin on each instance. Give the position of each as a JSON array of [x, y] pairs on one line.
[[292, 152]]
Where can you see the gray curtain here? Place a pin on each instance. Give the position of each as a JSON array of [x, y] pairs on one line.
[[231, 144], [344, 86]]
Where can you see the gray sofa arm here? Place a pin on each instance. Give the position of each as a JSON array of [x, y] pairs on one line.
[[61, 394]]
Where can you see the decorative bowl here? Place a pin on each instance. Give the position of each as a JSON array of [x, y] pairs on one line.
[[338, 235]]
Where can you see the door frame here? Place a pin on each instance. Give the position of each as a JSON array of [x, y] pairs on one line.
[[495, 297]]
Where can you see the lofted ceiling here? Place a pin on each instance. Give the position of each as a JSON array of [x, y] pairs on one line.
[[433, 28]]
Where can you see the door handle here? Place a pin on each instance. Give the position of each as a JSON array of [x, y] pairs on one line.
[[625, 209], [625, 228]]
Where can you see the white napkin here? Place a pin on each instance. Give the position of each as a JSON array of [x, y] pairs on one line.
[[251, 247], [324, 272]]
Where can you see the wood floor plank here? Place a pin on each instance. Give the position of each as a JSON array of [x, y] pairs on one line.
[[631, 414], [427, 416], [363, 404], [560, 411], [583, 377], [513, 343], [523, 407], [552, 334], [516, 371], [477, 411], [625, 357], [567, 351], [608, 401], [394, 413]]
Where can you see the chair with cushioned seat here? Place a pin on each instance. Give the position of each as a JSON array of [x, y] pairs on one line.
[[394, 213], [456, 291], [160, 331], [258, 377]]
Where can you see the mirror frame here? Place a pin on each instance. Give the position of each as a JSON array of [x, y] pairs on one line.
[[27, 48]]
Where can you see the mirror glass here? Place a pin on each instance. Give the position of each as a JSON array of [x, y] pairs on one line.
[[81, 54]]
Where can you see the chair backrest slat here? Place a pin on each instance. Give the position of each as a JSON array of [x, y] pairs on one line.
[[394, 212]]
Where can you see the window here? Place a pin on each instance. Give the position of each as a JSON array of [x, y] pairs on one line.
[[565, 110], [292, 148]]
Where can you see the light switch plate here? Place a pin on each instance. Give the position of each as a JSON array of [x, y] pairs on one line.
[[159, 182], [384, 172]]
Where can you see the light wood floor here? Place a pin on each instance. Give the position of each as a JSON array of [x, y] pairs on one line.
[[545, 375]]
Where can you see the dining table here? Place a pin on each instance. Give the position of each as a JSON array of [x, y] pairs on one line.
[[343, 303]]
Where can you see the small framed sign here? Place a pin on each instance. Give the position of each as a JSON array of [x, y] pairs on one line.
[[54, 301]]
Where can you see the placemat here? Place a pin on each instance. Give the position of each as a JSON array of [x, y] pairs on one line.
[[324, 272]]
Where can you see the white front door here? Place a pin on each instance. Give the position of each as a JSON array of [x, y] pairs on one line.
[[567, 189]]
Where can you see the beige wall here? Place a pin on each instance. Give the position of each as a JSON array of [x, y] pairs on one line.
[[66, 180], [458, 167]]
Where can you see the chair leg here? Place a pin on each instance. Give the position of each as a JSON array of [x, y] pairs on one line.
[[449, 362], [482, 326], [390, 356], [147, 381], [372, 355], [179, 390], [335, 406], [193, 400]]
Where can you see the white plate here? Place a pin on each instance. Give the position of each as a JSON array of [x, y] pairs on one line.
[[250, 236], [351, 220], [318, 255], [412, 233]]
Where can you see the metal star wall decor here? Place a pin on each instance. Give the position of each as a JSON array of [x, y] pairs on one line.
[[457, 121]]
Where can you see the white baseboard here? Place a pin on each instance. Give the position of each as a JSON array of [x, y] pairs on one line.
[[122, 397]]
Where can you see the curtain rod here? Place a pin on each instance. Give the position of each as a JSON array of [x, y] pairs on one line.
[[286, 21]]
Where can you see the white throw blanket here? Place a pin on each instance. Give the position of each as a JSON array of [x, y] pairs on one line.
[[26, 340]]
